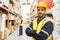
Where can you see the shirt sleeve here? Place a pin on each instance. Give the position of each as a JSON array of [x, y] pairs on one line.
[[29, 30]]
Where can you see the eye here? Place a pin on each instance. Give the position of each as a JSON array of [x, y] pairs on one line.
[[38, 9], [42, 9]]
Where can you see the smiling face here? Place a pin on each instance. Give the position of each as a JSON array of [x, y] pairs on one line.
[[41, 11]]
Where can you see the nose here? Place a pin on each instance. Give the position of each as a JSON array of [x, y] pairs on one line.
[[39, 12]]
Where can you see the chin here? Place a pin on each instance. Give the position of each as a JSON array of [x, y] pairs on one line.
[[39, 16]]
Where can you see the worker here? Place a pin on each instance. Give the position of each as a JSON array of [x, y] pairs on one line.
[[41, 27], [21, 26]]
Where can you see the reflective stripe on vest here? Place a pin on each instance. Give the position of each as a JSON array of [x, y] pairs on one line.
[[40, 25]]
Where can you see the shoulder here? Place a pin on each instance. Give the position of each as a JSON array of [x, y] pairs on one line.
[[49, 23]]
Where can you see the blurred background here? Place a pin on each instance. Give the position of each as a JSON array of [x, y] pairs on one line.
[[11, 12]]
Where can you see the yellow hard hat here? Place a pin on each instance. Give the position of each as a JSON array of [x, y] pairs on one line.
[[41, 4]]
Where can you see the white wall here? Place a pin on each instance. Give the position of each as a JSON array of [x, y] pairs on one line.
[[56, 14]]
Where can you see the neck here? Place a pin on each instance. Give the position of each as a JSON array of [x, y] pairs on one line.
[[40, 18]]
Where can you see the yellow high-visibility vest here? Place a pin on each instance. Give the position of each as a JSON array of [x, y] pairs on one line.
[[20, 24], [39, 26]]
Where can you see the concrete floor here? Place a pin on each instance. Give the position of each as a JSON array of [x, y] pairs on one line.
[[14, 35]]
